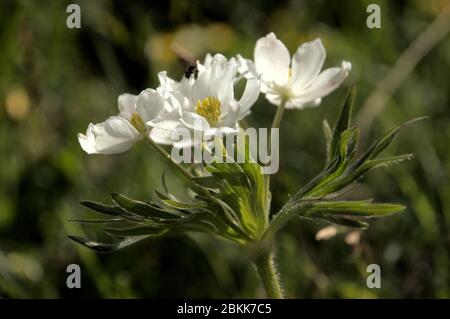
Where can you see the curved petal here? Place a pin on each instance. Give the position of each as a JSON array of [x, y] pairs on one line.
[[298, 104], [249, 97], [171, 110], [246, 67], [325, 83], [179, 96], [87, 142], [127, 105], [307, 63], [149, 104], [195, 121], [166, 82], [163, 132], [201, 87], [230, 113], [171, 107], [206, 62], [115, 135], [224, 79], [274, 98], [215, 80], [272, 59]]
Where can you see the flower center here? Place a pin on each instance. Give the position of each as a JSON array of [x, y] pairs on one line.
[[209, 108], [137, 121]]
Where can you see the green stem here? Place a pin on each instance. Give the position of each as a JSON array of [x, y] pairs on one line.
[[269, 276], [279, 114], [275, 124], [167, 157], [264, 264]]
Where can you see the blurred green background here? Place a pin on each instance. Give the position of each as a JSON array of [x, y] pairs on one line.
[[55, 80]]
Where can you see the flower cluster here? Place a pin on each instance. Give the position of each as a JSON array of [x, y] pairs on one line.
[[231, 199], [205, 101]]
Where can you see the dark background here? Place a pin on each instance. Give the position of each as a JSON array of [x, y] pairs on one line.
[[55, 80]]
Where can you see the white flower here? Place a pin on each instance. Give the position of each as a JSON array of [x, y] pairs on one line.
[[299, 81], [119, 133], [204, 104], [207, 102]]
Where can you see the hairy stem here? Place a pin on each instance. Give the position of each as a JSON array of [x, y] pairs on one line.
[[265, 264], [269, 276], [275, 124]]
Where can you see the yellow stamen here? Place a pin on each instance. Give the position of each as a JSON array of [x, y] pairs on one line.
[[137, 121], [209, 108]]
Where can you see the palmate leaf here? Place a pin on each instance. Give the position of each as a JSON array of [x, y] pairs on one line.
[[212, 183], [112, 210], [148, 220], [342, 169], [108, 247], [180, 205], [224, 208], [332, 189], [143, 209], [354, 209], [351, 213], [342, 123], [245, 190], [381, 144], [231, 201]]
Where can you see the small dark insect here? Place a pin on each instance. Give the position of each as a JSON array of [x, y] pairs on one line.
[[191, 70]]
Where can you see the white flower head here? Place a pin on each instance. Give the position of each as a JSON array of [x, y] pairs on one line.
[[299, 81], [207, 102], [119, 133]]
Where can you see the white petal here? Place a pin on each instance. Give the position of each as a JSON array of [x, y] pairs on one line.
[[230, 111], [215, 80], [149, 104], [171, 107], [249, 97], [274, 98], [165, 81], [325, 83], [87, 141], [272, 59], [202, 86], [307, 63], [206, 62], [171, 110], [115, 135], [195, 121], [217, 59], [298, 104], [224, 80], [126, 103], [246, 67], [163, 132], [156, 106]]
